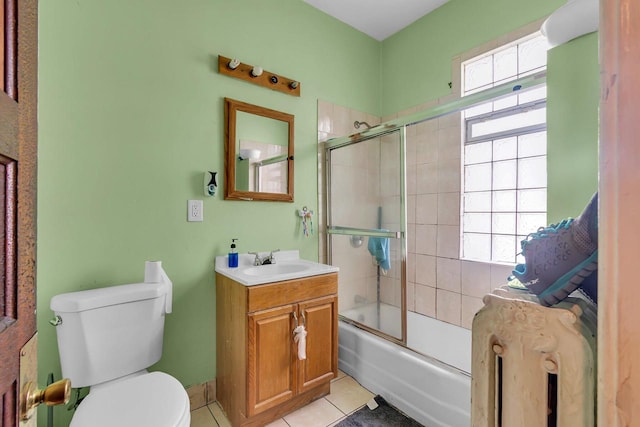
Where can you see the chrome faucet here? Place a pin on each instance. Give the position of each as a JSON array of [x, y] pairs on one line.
[[269, 259]]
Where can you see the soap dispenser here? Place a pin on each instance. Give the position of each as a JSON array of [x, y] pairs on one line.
[[233, 255]]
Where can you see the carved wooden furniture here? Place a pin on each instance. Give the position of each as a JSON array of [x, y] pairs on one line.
[[259, 375], [533, 365]]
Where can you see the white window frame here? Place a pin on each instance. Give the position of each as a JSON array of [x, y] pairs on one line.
[[494, 255]]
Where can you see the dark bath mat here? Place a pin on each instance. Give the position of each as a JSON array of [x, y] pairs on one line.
[[384, 415]]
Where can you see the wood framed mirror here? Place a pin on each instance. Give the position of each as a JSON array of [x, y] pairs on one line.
[[258, 153]]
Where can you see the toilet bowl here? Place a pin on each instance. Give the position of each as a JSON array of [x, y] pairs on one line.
[[151, 399], [107, 338]]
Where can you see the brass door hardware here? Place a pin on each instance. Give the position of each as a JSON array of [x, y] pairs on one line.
[[57, 393]]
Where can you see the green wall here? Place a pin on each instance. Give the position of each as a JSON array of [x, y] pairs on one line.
[[131, 114], [573, 88], [416, 62], [256, 128]]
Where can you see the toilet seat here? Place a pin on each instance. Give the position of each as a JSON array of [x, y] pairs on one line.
[[153, 399]]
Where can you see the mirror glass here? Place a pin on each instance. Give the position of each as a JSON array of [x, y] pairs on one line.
[[259, 153]]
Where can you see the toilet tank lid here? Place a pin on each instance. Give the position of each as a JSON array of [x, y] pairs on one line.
[[73, 302]]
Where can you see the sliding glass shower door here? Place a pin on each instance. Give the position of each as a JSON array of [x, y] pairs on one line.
[[366, 223]]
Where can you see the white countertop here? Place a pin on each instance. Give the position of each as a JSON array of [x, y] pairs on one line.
[[248, 274]]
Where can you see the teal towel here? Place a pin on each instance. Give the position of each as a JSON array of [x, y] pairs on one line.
[[379, 249]]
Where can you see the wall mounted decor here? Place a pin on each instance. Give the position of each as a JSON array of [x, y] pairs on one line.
[[257, 75]]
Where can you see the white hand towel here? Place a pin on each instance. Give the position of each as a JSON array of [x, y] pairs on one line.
[[300, 337]]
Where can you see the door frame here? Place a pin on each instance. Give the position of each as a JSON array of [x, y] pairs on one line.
[[619, 184], [18, 142]]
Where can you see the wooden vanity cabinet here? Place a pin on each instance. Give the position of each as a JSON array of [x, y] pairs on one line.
[[259, 375]]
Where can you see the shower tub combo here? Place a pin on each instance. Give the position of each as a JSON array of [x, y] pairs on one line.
[[419, 364], [428, 390]]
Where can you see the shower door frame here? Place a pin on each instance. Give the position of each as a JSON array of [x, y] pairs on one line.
[[364, 232], [324, 158]]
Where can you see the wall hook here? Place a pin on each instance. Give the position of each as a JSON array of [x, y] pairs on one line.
[[307, 220]]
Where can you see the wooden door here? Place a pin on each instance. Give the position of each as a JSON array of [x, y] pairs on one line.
[[18, 125], [271, 372], [619, 204], [320, 316]]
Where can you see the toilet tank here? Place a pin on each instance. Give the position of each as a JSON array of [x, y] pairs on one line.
[[111, 332]]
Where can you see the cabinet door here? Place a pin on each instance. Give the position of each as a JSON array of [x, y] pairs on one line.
[[320, 316], [271, 370]]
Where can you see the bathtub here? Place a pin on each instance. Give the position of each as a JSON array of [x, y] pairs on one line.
[[429, 391]]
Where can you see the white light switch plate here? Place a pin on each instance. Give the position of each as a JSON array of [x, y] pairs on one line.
[[194, 210]]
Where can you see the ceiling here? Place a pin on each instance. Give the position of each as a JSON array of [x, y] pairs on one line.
[[377, 18]]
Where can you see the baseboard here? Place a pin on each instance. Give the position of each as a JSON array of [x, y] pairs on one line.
[[202, 394]]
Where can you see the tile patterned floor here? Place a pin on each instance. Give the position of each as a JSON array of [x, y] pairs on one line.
[[346, 397]]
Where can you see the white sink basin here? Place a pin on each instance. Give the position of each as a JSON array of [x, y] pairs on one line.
[[288, 266]]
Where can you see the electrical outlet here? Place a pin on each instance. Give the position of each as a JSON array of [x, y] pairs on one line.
[[194, 210]]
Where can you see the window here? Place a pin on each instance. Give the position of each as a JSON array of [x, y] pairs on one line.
[[504, 194]]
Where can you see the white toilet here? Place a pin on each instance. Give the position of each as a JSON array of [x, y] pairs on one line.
[[107, 338]]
